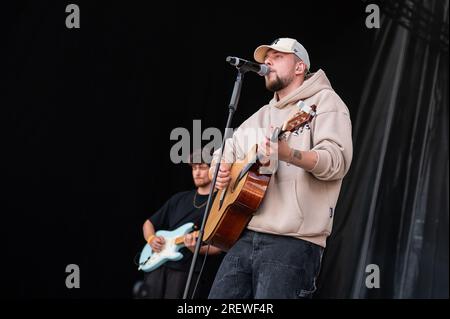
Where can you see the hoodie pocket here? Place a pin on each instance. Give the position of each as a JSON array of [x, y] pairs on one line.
[[297, 200], [313, 201], [297, 206], [280, 211]]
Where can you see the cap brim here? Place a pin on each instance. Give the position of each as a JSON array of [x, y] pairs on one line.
[[261, 51]]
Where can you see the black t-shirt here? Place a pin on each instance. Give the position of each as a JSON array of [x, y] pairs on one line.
[[177, 211]]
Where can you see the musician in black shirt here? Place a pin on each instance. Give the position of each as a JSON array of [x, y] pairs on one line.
[[169, 280]]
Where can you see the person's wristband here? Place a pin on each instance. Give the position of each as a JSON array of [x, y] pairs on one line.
[[150, 239]]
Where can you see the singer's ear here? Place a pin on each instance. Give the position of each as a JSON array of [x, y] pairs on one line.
[[300, 68]]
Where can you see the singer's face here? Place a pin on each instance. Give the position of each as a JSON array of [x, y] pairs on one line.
[[282, 67]]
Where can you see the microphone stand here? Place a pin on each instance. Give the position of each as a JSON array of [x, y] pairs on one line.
[[231, 109]]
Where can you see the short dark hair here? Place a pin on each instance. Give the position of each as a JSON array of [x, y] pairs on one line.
[[197, 156]]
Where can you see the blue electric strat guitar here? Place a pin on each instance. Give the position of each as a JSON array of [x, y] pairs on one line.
[[174, 241]]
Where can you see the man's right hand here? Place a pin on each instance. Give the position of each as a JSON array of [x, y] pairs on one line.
[[157, 243], [224, 176]]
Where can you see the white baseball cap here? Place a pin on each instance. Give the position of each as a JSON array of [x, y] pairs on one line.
[[286, 45]]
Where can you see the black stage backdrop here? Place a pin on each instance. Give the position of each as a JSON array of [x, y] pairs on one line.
[[86, 117]]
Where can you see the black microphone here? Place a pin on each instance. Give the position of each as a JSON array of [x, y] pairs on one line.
[[245, 65]]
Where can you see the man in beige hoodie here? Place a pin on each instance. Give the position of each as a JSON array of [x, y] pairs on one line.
[[279, 254]]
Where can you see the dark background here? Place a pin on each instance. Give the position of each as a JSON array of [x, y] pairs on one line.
[[87, 113]]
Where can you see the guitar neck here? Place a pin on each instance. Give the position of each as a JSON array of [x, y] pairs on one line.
[[276, 136], [180, 240], [301, 118]]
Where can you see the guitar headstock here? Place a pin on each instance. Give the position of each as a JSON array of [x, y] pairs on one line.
[[301, 118]]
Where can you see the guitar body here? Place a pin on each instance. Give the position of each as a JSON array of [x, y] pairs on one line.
[[150, 260], [233, 207]]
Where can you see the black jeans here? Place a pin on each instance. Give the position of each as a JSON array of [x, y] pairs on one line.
[[166, 283], [264, 266]]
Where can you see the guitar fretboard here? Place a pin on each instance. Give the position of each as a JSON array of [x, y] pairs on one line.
[[180, 240]]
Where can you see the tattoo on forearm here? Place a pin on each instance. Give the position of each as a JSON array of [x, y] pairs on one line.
[[298, 154]]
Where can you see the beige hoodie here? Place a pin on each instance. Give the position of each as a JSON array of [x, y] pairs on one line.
[[301, 203]]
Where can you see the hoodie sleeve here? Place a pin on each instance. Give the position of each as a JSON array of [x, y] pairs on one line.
[[246, 135], [232, 151], [228, 156], [332, 141]]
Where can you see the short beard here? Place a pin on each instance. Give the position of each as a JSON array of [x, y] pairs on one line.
[[202, 184], [278, 84]]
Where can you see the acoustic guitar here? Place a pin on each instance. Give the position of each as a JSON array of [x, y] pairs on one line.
[[234, 206]]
